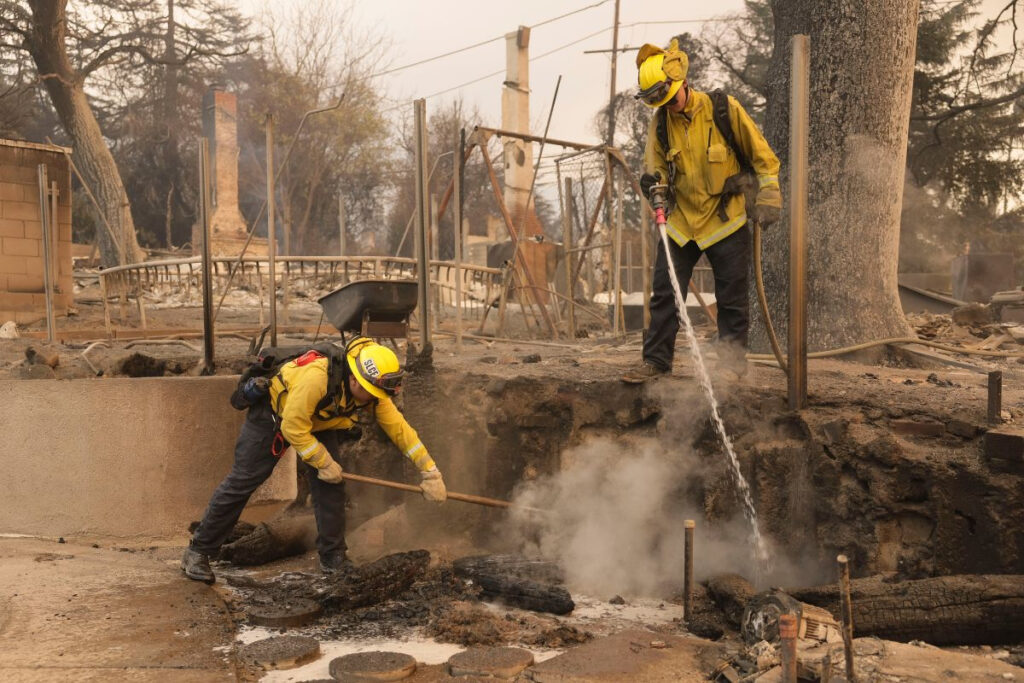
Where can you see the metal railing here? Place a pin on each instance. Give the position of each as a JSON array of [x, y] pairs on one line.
[[481, 285]]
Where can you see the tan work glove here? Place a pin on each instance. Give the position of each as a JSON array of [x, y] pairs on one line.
[[433, 486], [766, 210], [331, 472]]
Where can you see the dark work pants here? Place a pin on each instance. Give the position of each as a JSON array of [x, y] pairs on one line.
[[730, 260], [254, 461]]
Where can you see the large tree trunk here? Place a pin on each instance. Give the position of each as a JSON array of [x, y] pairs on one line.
[[47, 47], [862, 66]]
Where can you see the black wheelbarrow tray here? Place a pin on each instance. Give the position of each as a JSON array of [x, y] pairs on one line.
[[375, 308]]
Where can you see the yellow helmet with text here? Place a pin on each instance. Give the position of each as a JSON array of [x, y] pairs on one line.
[[661, 73], [375, 367]]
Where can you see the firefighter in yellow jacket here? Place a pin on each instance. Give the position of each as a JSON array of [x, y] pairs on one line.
[[708, 211], [297, 411]]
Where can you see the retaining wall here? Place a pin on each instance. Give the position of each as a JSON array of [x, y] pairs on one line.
[[118, 457]]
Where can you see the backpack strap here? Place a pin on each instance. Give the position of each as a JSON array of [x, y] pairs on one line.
[[661, 133], [720, 116]]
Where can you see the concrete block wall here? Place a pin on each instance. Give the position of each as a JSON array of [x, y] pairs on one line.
[[119, 457], [22, 292]]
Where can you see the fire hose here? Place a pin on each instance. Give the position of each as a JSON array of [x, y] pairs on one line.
[[777, 349]]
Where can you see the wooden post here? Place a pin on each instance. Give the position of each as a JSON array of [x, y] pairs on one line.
[[788, 627], [688, 527], [342, 237], [620, 316], [846, 608], [204, 218], [567, 245], [460, 164], [995, 397], [798, 134], [47, 230], [422, 220], [271, 236]]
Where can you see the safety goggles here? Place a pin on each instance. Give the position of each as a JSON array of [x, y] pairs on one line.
[[655, 94], [389, 382]]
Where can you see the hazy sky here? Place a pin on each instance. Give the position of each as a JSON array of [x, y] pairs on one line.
[[424, 29]]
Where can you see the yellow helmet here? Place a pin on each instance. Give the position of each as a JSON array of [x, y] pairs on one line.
[[375, 367], [661, 73]]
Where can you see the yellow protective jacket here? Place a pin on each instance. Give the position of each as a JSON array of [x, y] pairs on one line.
[[703, 161], [294, 394]]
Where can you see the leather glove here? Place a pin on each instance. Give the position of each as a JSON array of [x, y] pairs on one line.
[[331, 472], [766, 215], [432, 485], [647, 180]]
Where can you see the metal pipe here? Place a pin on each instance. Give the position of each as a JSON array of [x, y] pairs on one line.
[[995, 397], [204, 221], [846, 608], [688, 526], [798, 131], [422, 194], [570, 285], [412, 217], [271, 232], [342, 242], [459, 168], [44, 221], [787, 649]]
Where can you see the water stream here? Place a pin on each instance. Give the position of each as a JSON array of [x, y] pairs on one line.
[[716, 417]]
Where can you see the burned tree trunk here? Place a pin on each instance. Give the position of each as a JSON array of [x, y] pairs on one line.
[[46, 44], [862, 66], [947, 610]]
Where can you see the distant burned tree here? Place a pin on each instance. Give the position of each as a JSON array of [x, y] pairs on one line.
[[443, 126], [310, 55], [114, 45]]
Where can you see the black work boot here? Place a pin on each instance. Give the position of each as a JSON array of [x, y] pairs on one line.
[[197, 566], [642, 372], [335, 562]]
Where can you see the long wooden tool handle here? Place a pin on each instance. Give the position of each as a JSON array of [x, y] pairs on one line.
[[464, 497]]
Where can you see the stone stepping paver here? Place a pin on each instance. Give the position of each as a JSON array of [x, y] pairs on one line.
[[373, 666], [496, 662], [280, 652], [295, 612]]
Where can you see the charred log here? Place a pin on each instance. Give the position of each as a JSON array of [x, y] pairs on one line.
[[731, 592], [947, 610], [376, 582], [281, 537], [517, 581]]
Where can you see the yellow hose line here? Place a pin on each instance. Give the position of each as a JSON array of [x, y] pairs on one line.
[[897, 340], [777, 356], [763, 300]]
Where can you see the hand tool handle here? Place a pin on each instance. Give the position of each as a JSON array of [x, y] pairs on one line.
[[464, 497]]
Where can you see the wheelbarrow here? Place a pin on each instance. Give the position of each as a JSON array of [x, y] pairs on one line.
[[372, 308]]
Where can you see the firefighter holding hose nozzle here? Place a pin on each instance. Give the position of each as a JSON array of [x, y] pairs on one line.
[[720, 174]]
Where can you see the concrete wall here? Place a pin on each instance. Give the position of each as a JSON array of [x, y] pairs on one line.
[[22, 297], [118, 457]]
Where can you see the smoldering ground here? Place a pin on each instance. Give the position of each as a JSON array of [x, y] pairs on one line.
[[615, 513]]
